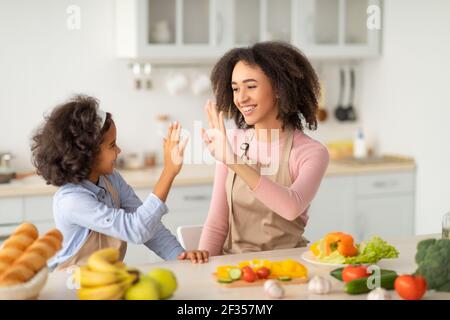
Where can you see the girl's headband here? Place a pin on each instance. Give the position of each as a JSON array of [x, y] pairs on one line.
[[102, 115]]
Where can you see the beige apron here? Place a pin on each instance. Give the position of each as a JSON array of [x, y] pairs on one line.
[[254, 227], [95, 240]]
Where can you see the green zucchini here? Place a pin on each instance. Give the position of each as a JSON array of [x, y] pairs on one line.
[[359, 286]]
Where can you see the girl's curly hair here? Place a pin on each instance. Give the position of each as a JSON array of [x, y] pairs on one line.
[[65, 146], [292, 77]]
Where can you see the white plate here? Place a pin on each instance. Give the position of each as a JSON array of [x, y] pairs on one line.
[[308, 256]]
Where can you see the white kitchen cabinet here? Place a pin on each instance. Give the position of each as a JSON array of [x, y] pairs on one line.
[[187, 205], [364, 205], [386, 216], [384, 205], [332, 208], [11, 210], [177, 31], [339, 28], [169, 30], [38, 208]]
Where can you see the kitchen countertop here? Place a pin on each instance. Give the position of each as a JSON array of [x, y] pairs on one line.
[[194, 174], [195, 280]]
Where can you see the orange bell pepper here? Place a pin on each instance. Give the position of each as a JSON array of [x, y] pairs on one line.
[[341, 242]]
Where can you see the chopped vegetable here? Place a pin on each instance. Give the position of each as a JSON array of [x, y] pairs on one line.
[[263, 273], [235, 273], [284, 278], [224, 280], [248, 274]]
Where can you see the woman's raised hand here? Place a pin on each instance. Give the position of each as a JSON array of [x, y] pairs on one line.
[[174, 149], [215, 137]]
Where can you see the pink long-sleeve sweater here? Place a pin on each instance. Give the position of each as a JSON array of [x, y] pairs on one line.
[[308, 162]]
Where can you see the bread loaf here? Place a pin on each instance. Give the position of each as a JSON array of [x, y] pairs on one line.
[[16, 244], [33, 259]]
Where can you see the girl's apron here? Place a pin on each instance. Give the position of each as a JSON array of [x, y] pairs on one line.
[[253, 226], [95, 240]]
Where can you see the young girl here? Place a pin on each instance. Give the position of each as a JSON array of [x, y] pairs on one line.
[[261, 203], [94, 208]]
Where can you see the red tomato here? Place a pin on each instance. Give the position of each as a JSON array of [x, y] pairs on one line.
[[249, 276], [410, 287], [351, 273], [263, 273], [247, 269]]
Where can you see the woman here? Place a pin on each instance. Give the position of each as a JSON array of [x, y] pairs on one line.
[[261, 203]]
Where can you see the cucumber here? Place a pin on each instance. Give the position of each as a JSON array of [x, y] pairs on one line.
[[359, 286], [284, 278], [235, 273], [224, 280]]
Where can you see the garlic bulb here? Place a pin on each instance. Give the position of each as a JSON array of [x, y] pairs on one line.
[[379, 294], [319, 285], [273, 289]]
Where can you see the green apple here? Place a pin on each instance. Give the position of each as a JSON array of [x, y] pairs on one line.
[[166, 280], [145, 289]]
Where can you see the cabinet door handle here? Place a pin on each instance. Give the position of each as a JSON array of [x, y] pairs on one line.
[[196, 198], [385, 184]]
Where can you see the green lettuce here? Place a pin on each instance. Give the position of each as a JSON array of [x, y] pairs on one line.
[[373, 251]]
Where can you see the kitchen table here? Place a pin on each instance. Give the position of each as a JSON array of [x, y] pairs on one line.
[[195, 281]]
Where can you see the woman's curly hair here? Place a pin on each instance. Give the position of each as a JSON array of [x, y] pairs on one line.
[[65, 146], [292, 77]]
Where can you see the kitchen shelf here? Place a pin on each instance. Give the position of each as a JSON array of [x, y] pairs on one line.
[[180, 31]]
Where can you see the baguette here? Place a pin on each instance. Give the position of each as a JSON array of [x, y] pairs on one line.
[[33, 259], [16, 244]]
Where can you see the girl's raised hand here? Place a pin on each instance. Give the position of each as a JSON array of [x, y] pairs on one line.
[[174, 149], [215, 137]]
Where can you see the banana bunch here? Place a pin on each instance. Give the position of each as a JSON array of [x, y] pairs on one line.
[[104, 278]]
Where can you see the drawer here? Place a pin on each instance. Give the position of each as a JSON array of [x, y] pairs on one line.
[[38, 208], [187, 198], [11, 210], [385, 183]]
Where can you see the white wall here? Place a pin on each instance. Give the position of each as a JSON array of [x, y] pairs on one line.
[[406, 99]]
